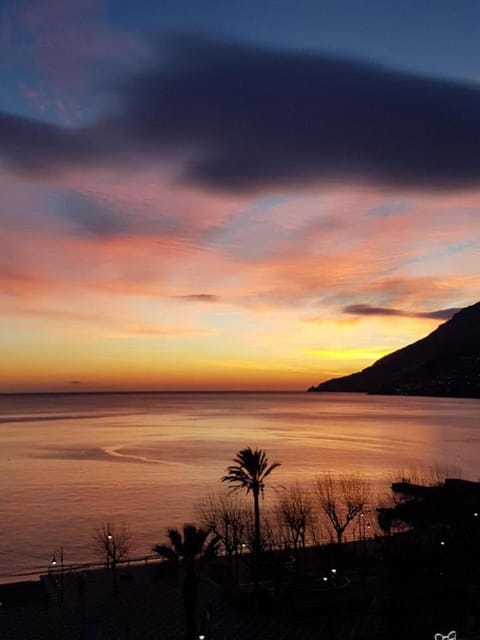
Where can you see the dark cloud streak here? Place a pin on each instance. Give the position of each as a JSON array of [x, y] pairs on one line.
[[367, 310], [200, 297], [240, 117], [34, 145]]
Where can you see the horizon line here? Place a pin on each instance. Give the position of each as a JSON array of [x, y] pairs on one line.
[[140, 391]]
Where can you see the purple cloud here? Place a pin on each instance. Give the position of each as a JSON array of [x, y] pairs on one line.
[[368, 310]]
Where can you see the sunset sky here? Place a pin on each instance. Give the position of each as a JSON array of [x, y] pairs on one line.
[[232, 195]]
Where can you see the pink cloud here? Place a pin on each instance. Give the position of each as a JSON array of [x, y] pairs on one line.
[[332, 254], [150, 193], [364, 255]]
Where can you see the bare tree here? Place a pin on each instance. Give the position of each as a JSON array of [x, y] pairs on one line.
[[113, 543], [294, 510], [269, 536], [224, 515], [342, 499]]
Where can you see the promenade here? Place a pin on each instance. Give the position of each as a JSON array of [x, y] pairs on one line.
[[146, 607], [149, 606]]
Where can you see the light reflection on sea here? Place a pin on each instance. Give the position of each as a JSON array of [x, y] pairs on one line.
[[70, 462]]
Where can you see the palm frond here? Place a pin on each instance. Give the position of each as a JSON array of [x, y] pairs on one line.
[[164, 551], [176, 542], [212, 548], [249, 471], [273, 466], [193, 540], [188, 545]]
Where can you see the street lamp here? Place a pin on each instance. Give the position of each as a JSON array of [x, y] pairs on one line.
[[111, 544], [361, 525], [53, 566]]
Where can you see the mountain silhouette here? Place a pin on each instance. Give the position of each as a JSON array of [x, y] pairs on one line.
[[444, 363]]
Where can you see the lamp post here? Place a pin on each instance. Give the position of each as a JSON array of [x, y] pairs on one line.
[[112, 555], [53, 567], [239, 548], [109, 540], [361, 531]]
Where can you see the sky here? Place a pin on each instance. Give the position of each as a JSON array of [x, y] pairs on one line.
[[232, 195]]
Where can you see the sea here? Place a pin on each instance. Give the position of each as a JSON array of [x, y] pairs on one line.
[[70, 463]]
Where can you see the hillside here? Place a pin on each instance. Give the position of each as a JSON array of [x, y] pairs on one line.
[[444, 363]]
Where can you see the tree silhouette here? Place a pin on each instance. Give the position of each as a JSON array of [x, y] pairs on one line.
[[248, 473], [294, 510], [226, 515], [114, 544], [187, 548], [342, 499]]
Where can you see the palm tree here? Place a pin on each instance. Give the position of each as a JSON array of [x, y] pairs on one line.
[[188, 547], [248, 473]]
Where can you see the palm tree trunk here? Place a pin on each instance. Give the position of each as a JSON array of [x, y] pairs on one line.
[[190, 602], [256, 550]]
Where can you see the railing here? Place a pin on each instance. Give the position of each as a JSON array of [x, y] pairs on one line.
[[78, 566]]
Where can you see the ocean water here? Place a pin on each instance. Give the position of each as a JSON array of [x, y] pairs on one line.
[[69, 463]]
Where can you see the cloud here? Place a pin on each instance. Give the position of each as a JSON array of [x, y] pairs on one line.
[[59, 315], [200, 297], [441, 314], [31, 145], [368, 310], [144, 329], [319, 248], [240, 117], [91, 217]]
